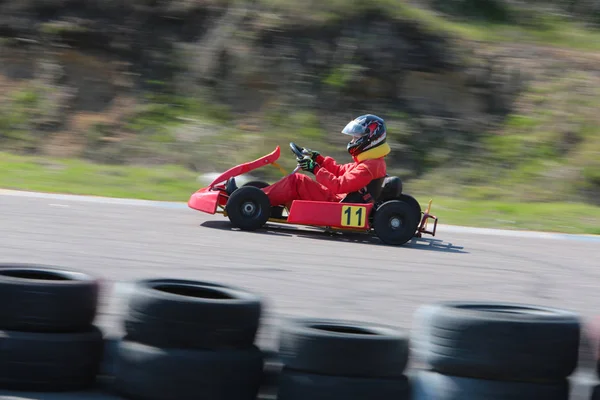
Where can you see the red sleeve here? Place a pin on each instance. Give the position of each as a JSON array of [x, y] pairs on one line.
[[349, 182], [330, 165]]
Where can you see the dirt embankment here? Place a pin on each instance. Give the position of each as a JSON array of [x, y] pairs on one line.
[[67, 66]]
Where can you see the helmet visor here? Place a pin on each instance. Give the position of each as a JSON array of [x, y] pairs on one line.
[[354, 129]]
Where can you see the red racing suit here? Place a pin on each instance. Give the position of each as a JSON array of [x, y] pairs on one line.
[[332, 181]]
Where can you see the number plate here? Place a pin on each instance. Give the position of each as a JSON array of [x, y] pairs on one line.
[[354, 216]]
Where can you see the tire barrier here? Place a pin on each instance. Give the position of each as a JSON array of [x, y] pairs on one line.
[[329, 359], [596, 390], [495, 351], [189, 339], [594, 337], [47, 339]]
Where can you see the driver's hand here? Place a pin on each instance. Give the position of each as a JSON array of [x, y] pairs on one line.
[[311, 153], [308, 164]]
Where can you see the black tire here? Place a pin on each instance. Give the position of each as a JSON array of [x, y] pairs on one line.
[[407, 198], [595, 393], [50, 362], [500, 340], [248, 208], [391, 212], [294, 385], [192, 314], [258, 184], [38, 298], [343, 348], [276, 211], [150, 373], [428, 385]]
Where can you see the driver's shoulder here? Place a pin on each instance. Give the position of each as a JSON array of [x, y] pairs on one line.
[[372, 162]]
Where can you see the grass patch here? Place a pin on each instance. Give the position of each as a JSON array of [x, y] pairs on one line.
[[176, 184], [549, 217], [79, 177]]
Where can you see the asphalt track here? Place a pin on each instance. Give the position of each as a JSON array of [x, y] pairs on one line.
[[300, 271]]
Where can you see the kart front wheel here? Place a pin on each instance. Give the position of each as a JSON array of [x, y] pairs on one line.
[[258, 184], [395, 222], [248, 208], [276, 211]]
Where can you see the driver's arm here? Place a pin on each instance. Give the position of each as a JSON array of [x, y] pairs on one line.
[[347, 182], [331, 165]]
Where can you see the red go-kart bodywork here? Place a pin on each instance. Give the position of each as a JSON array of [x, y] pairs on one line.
[[209, 198], [343, 216]]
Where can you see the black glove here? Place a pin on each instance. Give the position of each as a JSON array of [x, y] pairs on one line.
[[307, 164], [311, 153]]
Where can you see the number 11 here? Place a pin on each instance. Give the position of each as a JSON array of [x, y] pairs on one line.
[[358, 213]]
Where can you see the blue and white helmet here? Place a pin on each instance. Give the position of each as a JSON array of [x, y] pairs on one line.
[[368, 131]]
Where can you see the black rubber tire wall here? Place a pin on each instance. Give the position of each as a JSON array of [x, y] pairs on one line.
[[482, 341], [337, 359], [428, 385], [294, 385], [162, 319], [50, 361], [312, 345], [37, 298], [151, 373], [595, 393]]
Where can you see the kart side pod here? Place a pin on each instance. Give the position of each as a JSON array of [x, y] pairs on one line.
[[330, 214]]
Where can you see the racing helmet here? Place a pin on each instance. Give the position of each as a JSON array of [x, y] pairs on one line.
[[368, 131]]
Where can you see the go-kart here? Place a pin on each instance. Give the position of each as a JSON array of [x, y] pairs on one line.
[[394, 217]]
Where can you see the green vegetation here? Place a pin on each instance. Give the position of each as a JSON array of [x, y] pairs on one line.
[[550, 151], [538, 167], [19, 114], [540, 29], [80, 177], [487, 21]]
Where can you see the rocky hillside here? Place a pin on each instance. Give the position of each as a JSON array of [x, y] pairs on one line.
[[208, 83]]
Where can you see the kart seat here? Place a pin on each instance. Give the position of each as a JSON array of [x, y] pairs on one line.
[[381, 189], [391, 188]]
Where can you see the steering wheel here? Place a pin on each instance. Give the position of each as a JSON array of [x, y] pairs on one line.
[[296, 150]]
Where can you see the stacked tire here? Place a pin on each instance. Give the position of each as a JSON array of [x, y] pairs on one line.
[[330, 359], [47, 338], [593, 341], [493, 351], [189, 340]]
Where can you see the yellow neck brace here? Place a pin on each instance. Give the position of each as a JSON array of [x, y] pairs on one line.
[[377, 152]]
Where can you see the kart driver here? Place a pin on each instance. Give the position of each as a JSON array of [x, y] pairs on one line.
[[333, 182]]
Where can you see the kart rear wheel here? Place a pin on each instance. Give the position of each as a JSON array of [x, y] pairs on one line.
[[395, 222], [248, 208]]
